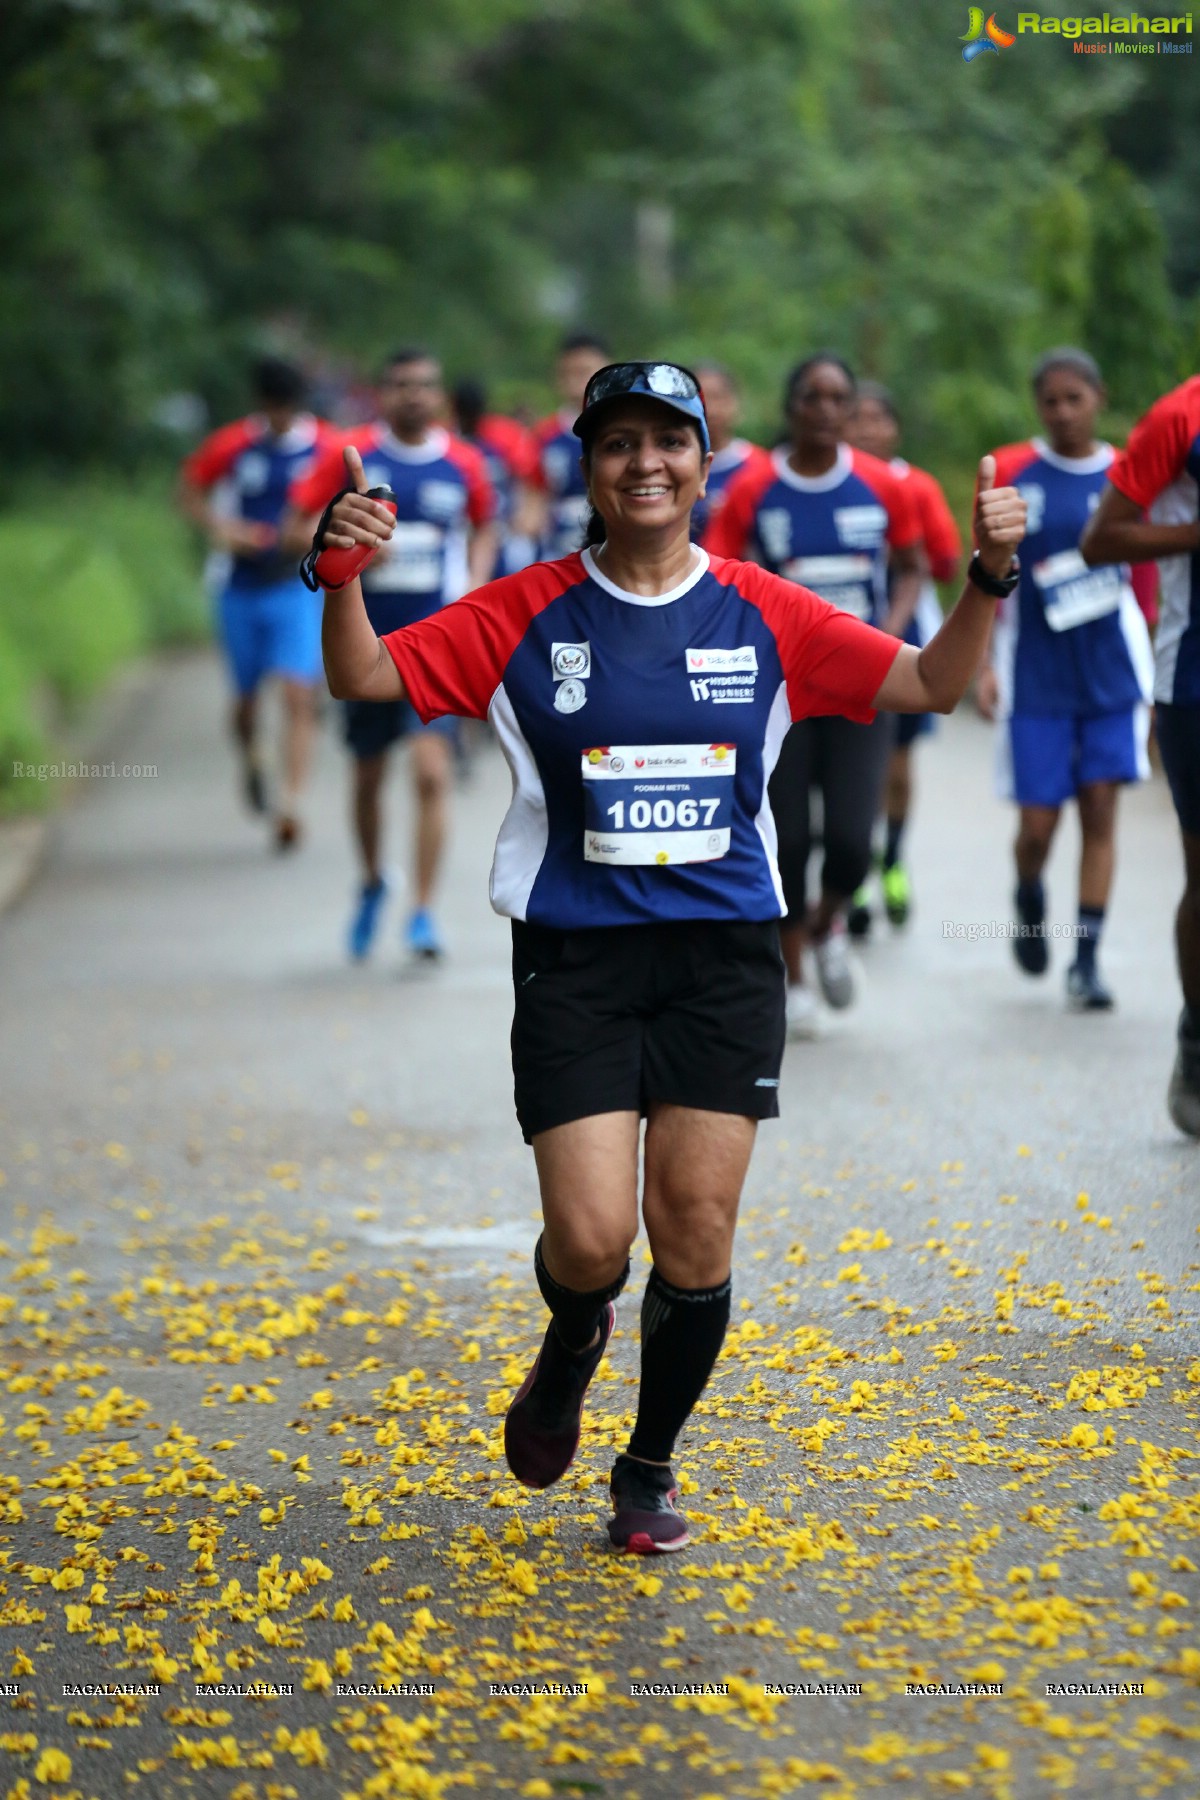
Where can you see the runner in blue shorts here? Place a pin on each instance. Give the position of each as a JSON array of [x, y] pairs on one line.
[[640, 690], [1069, 673], [235, 487]]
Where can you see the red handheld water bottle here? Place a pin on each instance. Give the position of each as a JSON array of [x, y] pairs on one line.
[[333, 567]]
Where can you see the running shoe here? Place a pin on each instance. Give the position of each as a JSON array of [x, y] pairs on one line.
[[833, 968], [858, 918], [1032, 952], [541, 1427], [1085, 990], [897, 893], [645, 1521], [420, 934], [1183, 1095], [254, 786], [803, 1013], [366, 918]]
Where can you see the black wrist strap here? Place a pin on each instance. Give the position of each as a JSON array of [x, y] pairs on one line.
[[997, 587], [308, 568]]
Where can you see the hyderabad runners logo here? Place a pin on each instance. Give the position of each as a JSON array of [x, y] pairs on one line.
[[980, 36]]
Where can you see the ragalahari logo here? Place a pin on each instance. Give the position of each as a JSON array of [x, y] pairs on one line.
[[980, 36]]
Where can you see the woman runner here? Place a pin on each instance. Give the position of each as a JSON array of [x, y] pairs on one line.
[[640, 690], [1071, 671], [838, 522]]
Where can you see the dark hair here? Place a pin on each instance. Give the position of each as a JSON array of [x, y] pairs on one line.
[[875, 390], [410, 353], [595, 531], [278, 383], [804, 368], [583, 340], [469, 400], [1066, 356]]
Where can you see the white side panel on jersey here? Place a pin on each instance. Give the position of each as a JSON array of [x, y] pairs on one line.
[[1134, 630], [779, 720], [1177, 505], [1004, 658], [524, 834]]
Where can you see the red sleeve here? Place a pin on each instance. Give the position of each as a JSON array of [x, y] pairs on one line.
[[729, 529], [481, 496], [516, 445], [1158, 445], [943, 545], [453, 662], [904, 523], [312, 493], [217, 454], [833, 662]]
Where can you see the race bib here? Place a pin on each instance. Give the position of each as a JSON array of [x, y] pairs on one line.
[[1072, 594], [845, 581], [410, 562], [657, 803]]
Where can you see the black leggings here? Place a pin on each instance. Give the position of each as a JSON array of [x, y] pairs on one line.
[[848, 762]]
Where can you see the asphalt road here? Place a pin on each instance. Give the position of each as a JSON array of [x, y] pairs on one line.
[[266, 1286]]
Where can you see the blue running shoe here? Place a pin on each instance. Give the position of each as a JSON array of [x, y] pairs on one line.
[[366, 918], [421, 936]]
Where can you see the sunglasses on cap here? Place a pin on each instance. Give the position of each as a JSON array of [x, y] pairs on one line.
[[669, 382]]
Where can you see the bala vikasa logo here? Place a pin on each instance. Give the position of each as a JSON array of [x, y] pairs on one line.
[[980, 36]]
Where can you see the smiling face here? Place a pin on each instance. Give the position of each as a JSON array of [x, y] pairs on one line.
[[644, 469], [820, 406], [1067, 404]]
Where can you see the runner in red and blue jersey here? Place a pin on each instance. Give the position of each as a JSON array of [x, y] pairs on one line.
[[1159, 470], [875, 428], [510, 456], [560, 478], [235, 487], [723, 404], [444, 544], [1070, 670], [839, 522], [640, 690]]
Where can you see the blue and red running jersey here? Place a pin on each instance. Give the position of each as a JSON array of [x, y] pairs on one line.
[[830, 532], [442, 491], [940, 540], [725, 464], [641, 731], [1160, 469], [561, 480], [1068, 639], [254, 472], [510, 457]]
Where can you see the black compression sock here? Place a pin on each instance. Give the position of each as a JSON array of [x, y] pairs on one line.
[[1091, 924], [1031, 899], [682, 1333], [891, 848], [576, 1315]]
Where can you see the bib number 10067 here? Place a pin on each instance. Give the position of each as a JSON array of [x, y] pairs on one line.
[[663, 814], [647, 804]]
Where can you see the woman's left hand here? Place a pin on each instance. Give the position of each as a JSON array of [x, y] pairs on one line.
[[999, 520]]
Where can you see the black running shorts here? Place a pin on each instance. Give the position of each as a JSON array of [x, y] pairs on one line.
[[607, 1020]]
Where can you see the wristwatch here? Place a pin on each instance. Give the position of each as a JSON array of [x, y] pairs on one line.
[[997, 586]]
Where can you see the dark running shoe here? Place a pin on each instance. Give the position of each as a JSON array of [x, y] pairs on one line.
[[1183, 1095], [1029, 946], [541, 1427], [644, 1521], [1085, 990]]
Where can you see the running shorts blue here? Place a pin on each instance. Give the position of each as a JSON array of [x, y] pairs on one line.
[[274, 630], [373, 726], [1045, 760]]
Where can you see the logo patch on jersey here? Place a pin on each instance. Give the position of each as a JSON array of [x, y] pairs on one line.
[[1034, 496], [571, 659], [860, 527], [440, 499], [569, 696], [725, 677], [253, 472]]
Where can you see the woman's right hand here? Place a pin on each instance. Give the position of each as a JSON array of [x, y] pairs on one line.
[[355, 519]]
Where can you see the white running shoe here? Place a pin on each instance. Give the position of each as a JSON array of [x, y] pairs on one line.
[[803, 1014], [833, 968]]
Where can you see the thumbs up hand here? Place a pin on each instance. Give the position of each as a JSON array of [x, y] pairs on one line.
[[354, 519], [999, 520]]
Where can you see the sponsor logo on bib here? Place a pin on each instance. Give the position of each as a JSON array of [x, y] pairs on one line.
[[723, 662]]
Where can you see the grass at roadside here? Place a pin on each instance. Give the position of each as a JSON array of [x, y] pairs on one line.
[[95, 573]]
